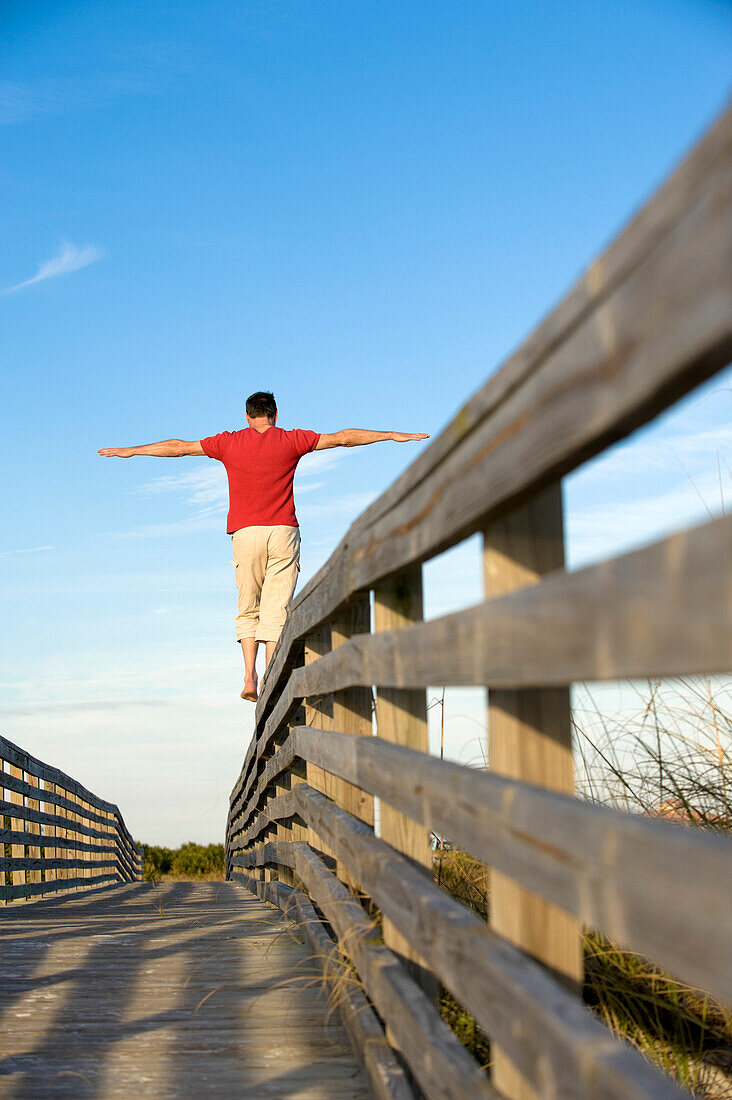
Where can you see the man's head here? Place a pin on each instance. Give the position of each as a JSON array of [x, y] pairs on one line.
[[262, 405]]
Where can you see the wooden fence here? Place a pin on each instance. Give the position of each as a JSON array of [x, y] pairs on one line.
[[57, 835], [649, 321]]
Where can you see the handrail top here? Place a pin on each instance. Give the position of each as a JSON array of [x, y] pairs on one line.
[[344, 573], [609, 267], [16, 756]]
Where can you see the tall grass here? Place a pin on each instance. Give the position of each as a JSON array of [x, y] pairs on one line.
[[666, 753]]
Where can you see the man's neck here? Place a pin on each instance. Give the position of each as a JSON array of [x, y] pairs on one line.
[[261, 424]]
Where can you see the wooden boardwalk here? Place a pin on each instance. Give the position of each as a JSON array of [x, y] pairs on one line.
[[186, 989]]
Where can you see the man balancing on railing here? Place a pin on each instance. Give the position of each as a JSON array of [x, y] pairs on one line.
[[260, 462]]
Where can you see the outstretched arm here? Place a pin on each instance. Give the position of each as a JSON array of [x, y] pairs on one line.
[[358, 437], [169, 448]]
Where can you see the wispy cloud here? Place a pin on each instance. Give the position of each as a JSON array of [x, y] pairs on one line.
[[79, 707], [614, 527], [68, 258], [26, 550], [662, 454], [201, 486]]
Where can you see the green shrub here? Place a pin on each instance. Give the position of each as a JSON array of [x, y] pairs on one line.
[[190, 861]]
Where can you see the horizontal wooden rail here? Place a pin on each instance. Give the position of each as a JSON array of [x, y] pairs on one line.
[[546, 1030], [614, 871], [650, 320], [572, 626], [56, 835]]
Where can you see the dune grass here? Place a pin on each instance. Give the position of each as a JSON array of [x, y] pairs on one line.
[[668, 756]]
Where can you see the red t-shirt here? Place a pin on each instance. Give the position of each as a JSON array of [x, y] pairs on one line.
[[261, 468]]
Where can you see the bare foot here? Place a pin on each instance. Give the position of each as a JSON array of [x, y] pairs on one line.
[[250, 690]]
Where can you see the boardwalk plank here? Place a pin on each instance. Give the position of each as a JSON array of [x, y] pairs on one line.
[[188, 989]]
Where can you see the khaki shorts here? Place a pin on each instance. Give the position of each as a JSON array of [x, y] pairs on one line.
[[267, 561]]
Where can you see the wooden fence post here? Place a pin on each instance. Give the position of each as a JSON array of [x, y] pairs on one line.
[[529, 738], [50, 854], [401, 717], [75, 872], [352, 713], [283, 830], [34, 850], [17, 851], [319, 714], [64, 832]]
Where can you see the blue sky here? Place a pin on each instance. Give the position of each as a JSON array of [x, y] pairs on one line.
[[364, 207]]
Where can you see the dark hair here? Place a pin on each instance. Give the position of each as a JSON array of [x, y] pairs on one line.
[[261, 403]]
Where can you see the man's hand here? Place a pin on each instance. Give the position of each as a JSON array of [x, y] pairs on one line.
[[359, 437], [169, 448], [117, 452]]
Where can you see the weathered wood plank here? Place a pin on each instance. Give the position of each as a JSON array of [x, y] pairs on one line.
[[34, 850], [50, 831], [401, 719], [318, 712], [184, 990], [386, 1076], [600, 365], [616, 872], [44, 818], [557, 1044], [37, 769], [36, 889], [576, 626], [352, 709], [441, 1067], [530, 739], [584, 625], [66, 838], [281, 761], [14, 783], [26, 863], [12, 780]]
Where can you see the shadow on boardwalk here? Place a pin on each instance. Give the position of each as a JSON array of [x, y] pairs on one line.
[[186, 989]]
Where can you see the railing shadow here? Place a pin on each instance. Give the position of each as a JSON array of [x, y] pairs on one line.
[[180, 990]]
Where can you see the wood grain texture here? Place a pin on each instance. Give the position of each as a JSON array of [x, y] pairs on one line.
[[184, 990], [66, 880], [664, 610], [660, 611], [530, 739], [616, 872], [281, 761], [352, 709], [401, 719], [49, 830], [556, 1043], [386, 1075], [441, 1067], [319, 711], [13, 782]]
